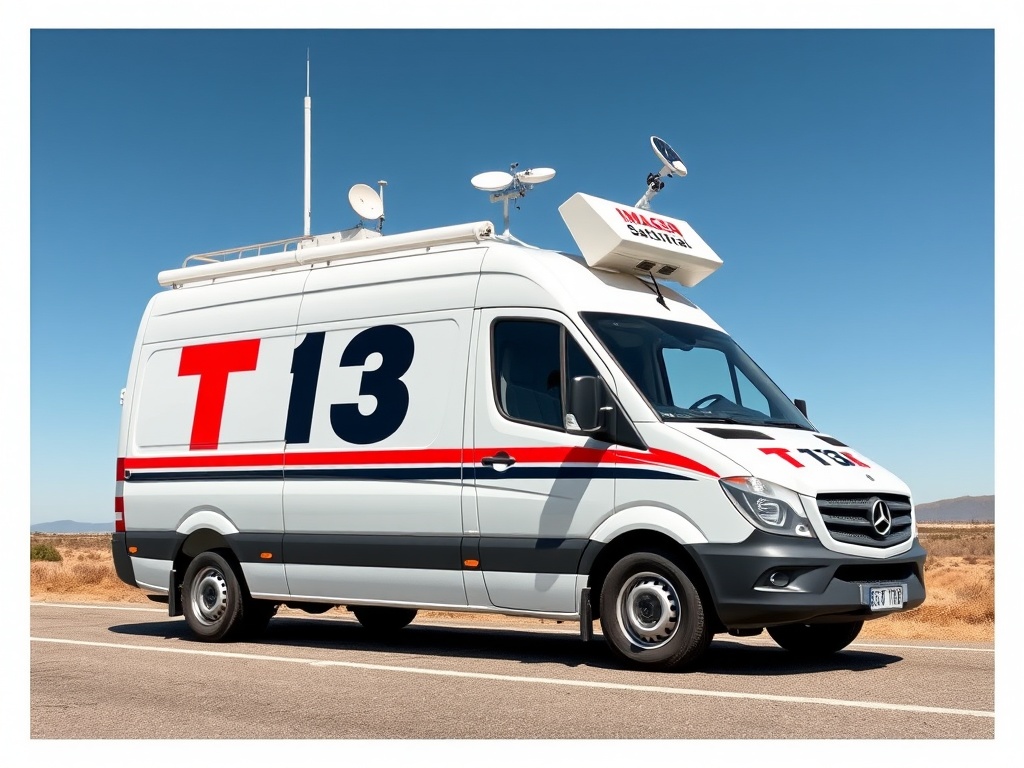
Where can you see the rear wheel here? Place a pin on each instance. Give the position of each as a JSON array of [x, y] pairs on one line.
[[216, 603], [815, 639], [381, 619], [652, 614]]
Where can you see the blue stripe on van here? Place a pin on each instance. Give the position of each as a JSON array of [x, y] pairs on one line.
[[409, 473]]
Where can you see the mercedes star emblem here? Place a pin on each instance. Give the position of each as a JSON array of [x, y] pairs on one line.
[[881, 517]]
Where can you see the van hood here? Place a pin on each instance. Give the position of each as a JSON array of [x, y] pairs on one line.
[[806, 462]]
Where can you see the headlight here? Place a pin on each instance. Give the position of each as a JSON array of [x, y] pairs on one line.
[[768, 506]]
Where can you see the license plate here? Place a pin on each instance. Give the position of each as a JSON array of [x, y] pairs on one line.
[[886, 597]]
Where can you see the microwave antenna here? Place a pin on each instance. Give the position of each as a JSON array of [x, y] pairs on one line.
[[512, 185], [367, 203], [672, 165]]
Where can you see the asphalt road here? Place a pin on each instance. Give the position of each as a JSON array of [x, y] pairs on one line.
[[130, 672]]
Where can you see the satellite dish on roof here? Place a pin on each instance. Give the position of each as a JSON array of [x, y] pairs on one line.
[[669, 157], [672, 165], [535, 175], [365, 201], [506, 186], [491, 181]]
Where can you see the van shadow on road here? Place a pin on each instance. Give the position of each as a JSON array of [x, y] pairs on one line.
[[724, 657]]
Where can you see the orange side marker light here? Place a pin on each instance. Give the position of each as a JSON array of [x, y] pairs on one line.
[[265, 555], [471, 563], [133, 550]]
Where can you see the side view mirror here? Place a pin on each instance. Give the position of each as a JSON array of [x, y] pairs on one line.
[[801, 405], [587, 410]]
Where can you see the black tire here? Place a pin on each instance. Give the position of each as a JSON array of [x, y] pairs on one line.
[[216, 602], [815, 640], [652, 614], [382, 620]]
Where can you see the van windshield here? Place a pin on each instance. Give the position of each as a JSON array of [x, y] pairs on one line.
[[691, 373]]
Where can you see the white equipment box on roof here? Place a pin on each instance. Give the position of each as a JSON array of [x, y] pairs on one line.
[[625, 239]]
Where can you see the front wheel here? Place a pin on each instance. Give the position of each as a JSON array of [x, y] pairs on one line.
[[815, 640], [652, 614]]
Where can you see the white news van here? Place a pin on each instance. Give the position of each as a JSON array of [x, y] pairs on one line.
[[451, 420]]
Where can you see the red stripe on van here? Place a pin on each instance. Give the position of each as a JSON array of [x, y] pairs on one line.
[[525, 455], [666, 458], [545, 455]]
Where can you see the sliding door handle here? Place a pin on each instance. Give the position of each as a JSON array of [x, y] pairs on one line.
[[498, 461]]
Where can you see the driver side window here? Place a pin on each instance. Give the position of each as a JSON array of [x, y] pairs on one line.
[[531, 361]]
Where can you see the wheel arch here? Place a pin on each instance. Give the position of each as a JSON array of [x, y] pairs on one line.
[[646, 540], [205, 530]]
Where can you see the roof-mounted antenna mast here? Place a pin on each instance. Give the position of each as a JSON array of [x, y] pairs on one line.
[[308, 109]]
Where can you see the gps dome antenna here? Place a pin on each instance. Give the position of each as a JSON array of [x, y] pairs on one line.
[[512, 185], [380, 222], [672, 164]]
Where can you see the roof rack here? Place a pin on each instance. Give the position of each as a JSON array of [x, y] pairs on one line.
[[319, 249], [274, 246]]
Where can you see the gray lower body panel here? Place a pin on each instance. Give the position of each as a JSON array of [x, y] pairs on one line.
[[821, 585]]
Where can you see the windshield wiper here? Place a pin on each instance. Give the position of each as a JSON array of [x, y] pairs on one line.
[[690, 417], [783, 423]]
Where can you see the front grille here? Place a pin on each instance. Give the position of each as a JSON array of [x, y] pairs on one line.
[[847, 516]]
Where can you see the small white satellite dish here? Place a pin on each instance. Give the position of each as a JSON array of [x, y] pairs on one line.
[[535, 175], [668, 156], [491, 181], [672, 165], [365, 201]]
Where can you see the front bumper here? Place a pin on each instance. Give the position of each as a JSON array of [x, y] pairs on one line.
[[822, 586]]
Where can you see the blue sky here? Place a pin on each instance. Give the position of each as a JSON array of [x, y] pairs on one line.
[[845, 178]]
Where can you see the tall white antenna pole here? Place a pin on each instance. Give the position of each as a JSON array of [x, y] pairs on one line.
[[308, 110]]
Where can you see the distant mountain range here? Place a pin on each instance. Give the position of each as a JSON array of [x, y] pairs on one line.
[[961, 509], [72, 526]]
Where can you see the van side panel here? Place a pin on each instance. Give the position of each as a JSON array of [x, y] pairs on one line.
[[373, 464], [207, 418]]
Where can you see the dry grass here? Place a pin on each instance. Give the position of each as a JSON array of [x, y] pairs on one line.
[[86, 572], [959, 576]]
